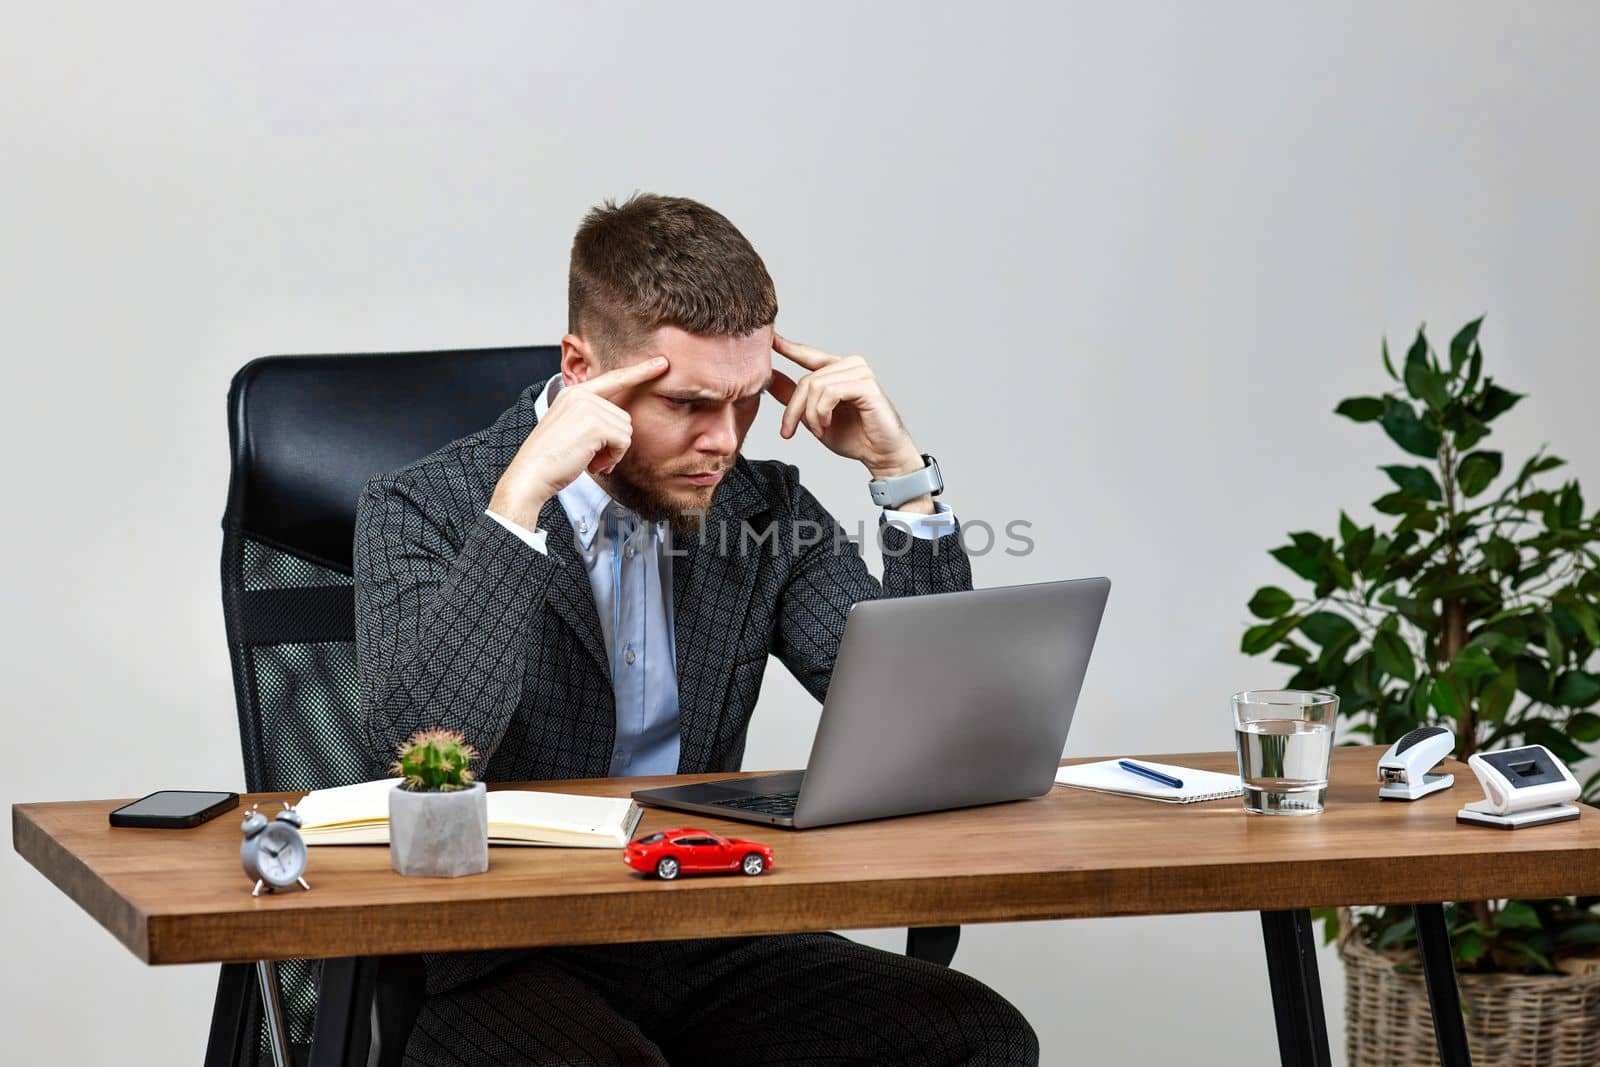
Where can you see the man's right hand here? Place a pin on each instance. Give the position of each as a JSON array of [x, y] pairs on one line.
[[583, 430]]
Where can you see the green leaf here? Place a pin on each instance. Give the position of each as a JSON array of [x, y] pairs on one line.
[[1494, 401], [1539, 732], [1418, 480], [1257, 639], [1347, 528], [1552, 643], [1495, 700], [1388, 364], [1501, 554], [1474, 369], [1461, 343], [1584, 726], [1400, 932], [1358, 549], [1292, 654], [1581, 934], [1577, 689], [1471, 664], [1444, 699], [1327, 627], [1533, 679], [1423, 380], [1585, 617], [1472, 430], [1421, 519], [1331, 664], [1538, 464], [1499, 641], [1477, 470], [1270, 602], [1306, 565], [1517, 915], [1571, 506], [1393, 655], [1360, 408], [1399, 502], [1416, 356], [1470, 948], [1400, 422]]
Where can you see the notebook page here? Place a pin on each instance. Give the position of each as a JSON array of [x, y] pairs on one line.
[[569, 812], [1107, 777]]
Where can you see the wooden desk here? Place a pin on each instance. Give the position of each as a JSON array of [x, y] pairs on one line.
[[181, 897]]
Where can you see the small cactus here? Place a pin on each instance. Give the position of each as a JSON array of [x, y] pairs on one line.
[[435, 761]]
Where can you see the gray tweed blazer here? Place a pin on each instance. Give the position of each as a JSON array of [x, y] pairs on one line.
[[461, 624]]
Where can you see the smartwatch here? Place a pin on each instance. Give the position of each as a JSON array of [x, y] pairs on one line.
[[892, 492]]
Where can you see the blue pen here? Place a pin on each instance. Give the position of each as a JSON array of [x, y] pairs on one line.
[[1153, 775]]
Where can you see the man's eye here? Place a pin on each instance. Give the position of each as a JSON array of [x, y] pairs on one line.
[[678, 402]]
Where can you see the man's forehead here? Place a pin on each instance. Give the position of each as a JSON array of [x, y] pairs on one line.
[[713, 367], [700, 384]]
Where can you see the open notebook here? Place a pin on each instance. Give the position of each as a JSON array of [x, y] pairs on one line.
[[359, 815], [1107, 777]]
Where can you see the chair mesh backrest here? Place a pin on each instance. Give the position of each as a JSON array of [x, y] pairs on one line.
[[304, 694], [306, 432], [303, 700]]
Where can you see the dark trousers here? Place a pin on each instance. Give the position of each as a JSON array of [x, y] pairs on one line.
[[790, 999]]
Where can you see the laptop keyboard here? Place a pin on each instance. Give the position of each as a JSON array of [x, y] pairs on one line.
[[763, 803]]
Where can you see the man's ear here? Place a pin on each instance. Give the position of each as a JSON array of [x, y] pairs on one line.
[[577, 360]]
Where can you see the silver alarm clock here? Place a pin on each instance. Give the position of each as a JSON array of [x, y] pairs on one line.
[[273, 852]]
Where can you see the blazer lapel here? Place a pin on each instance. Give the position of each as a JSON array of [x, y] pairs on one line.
[[569, 592], [712, 581]]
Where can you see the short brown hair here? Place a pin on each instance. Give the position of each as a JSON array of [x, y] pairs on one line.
[[656, 261]]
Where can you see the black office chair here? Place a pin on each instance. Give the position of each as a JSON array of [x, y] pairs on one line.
[[306, 432]]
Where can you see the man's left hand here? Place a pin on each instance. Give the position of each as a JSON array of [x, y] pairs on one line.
[[842, 404]]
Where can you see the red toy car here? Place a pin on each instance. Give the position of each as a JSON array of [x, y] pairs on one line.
[[690, 850]]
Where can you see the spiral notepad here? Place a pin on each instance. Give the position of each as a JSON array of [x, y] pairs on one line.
[[1107, 777]]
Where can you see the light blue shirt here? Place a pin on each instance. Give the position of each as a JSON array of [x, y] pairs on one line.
[[630, 574]]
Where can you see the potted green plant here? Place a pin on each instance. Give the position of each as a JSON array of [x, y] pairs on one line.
[[1473, 602], [438, 814]]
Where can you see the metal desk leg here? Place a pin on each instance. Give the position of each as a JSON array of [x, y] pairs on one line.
[[272, 1006], [343, 1028], [1296, 989], [1439, 968]]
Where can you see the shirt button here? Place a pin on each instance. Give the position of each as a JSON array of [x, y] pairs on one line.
[[629, 552], [627, 655], [583, 525]]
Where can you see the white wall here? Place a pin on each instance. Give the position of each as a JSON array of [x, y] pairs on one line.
[[1115, 264]]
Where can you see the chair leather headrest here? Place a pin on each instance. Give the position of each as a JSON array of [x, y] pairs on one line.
[[307, 432]]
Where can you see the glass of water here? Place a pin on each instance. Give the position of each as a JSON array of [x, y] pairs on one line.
[[1285, 739]]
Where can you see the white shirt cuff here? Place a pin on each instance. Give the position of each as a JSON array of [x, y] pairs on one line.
[[928, 527], [534, 538]]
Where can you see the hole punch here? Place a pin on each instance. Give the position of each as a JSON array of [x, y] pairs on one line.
[[1521, 787]]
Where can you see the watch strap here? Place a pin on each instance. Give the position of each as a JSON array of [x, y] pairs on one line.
[[892, 492]]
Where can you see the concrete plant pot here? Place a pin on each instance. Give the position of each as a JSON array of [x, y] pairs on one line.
[[439, 835]]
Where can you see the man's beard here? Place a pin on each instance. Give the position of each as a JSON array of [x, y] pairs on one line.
[[646, 493]]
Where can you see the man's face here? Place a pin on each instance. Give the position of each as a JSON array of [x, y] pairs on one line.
[[689, 424]]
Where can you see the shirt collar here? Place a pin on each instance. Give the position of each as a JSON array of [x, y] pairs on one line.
[[584, 500]]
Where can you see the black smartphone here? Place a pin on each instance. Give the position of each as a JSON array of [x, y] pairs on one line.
[[170, 808]]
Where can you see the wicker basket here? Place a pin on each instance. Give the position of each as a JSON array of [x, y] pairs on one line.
[[1513, 1020]]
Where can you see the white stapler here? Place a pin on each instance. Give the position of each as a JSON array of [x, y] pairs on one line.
[[1403, 770], [1521, 787]]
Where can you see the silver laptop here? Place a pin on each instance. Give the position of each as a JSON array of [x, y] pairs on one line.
[[942, 701]]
